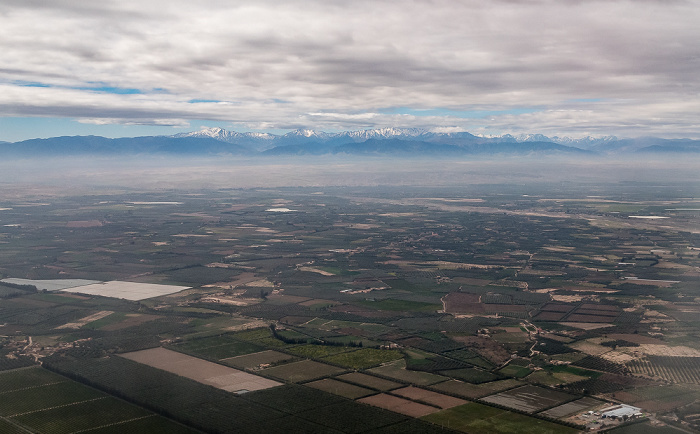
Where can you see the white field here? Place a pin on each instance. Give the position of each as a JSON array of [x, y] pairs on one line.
[[222, 377], [648, 217], [127, 290], [155, 203], [280, 210], [53, 284]]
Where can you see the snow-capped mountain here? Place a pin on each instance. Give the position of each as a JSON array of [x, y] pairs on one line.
[[253, 140], [587, 142], [384, 133], [308, 134], [308, 141], [380, 141]]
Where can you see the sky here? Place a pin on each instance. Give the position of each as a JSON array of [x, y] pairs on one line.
[[555, 67]]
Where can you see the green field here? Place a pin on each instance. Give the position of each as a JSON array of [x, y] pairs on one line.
[[52, 404], [301, 371], [28, 377], [363, 358], [479, 418], [52, 395], [471, 375], [6, 427], [312, 351], [109, 319], [514, 371], [221, 351], [262, 337], [397, 370], [82, 416], [253, 360], [469, 390]]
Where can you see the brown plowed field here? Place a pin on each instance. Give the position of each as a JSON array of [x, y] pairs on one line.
[[434, 398], [399, 405]]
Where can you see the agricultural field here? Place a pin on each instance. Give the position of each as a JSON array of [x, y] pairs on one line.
[[404, 301], [574, 407], [46, 402], [304, 370], [474, 391], [363, 358], [397, 370], [677, 369], [258, 360], [216, 375], [473, 417], [399, 405], [117, 289], [529, 399], [436, 399], [369, 381], [340, 388]]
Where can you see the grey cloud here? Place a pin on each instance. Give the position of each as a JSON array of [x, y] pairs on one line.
[[360, 57]]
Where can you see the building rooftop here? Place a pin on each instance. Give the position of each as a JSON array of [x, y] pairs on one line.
[[620, 411]]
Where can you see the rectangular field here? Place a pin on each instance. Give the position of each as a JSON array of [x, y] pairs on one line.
[[573, 407], [529, 398], [50, 403], [257, 360], [469, 390], [18, 379], [226, 351], [363, 358], [340, 388], [479, 418], [399, 405], [81, 415], [127, 290], [302, 371], [31, 399], [313, 351], [430, 397], [223, 377], [369, 381], [397, 370]]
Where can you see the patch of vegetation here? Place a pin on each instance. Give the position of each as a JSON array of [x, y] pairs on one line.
[[475, 417], [364, 358]]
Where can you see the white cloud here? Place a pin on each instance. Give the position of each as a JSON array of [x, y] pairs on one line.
[[327, 64]]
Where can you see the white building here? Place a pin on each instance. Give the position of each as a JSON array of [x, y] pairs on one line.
[[620, 411]]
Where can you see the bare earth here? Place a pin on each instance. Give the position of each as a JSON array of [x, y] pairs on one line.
[[222, 377], [399, 405], [434, 398]]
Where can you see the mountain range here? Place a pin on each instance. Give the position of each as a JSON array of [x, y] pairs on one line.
[[383, 141]]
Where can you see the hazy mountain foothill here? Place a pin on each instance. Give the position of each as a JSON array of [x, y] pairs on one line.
[[384, 141]]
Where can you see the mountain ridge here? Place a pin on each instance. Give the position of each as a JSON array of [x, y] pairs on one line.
[[380, 141]]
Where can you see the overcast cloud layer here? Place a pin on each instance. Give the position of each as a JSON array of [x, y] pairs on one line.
[[573, 68]]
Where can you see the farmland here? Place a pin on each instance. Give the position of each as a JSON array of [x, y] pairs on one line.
[[205, 372], [524, 305], [475, 417], [50, 403], [529, 399]]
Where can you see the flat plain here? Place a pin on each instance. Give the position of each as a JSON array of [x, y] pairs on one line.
[[391, 302]]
